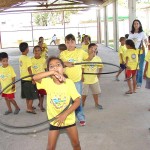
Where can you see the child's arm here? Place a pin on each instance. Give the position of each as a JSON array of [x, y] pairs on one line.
[[30, 73], [29, 70], [99, 71], [121, 56], [38, 77], [127, 59], [61, 118], [13, 86], [145, 70], [68, 64]]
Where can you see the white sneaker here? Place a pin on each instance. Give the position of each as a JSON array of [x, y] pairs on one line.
[[117, 79]]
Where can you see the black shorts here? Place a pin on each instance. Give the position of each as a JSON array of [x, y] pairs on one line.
[[122, 66], [51, 127], [28, 90]]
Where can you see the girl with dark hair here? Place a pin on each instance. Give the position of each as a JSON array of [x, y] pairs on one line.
[[60, 91], [138, 36], [131, 61]]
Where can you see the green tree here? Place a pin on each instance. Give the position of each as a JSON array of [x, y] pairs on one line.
[[52, 18]]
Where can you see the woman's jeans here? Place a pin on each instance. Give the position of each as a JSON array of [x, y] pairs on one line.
[[139, 75], [79, 111]]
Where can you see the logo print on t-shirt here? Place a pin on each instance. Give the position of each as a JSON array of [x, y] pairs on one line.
[[133, 56], [3, 77], [71, 60], [58, 102]]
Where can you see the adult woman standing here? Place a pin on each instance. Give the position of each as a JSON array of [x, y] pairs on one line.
[[138, 36]]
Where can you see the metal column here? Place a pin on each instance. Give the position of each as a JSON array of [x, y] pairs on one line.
[[105, 26], [132, 12], [99, 40], [115, 24]]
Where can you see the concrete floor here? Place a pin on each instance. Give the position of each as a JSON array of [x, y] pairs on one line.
[[122, 124]]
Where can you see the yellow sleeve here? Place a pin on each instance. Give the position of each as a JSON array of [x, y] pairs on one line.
[[29, 62], [120, 50], [13, 74], [99, 60], [41, 85], [73, 91]]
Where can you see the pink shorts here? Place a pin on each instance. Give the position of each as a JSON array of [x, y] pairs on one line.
[[9, 96], [130, 73], [42, 92]]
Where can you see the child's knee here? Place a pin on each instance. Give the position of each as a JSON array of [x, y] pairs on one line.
[[76, 144]]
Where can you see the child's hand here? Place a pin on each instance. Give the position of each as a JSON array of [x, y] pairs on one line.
[[33, 82], [144, 76], [61, 119], [59, 76], [69, 64]]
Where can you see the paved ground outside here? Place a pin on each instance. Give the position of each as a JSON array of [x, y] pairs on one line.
[[122, 124]]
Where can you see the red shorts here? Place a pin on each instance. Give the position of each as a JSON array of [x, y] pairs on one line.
[[130, 73], [42, 92], [9, 96]]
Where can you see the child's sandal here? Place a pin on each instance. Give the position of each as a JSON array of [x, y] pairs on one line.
[[128, 92]]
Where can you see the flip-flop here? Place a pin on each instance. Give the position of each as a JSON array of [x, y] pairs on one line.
[[33, 107], [128, 92], [42, 109], [31, 112]]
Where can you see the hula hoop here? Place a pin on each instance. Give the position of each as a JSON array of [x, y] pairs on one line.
[[97, 63], [35, 125], [30, 126]]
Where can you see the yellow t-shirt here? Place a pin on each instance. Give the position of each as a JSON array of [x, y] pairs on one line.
[[6, 75], [132, 55], [58, 98], [85, 47], [24, 64], [92, 68], [74, 73], [38, 65], [147, 58], [122, 50], [44, 50]]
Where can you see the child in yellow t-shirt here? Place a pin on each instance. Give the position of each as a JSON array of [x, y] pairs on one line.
[[74, 72], [39, 65], [92, 81], [131, 58], [44, 47], [86, 42], [28, 90], [147, 71], [7, 76], [59, 93], [121, 52]]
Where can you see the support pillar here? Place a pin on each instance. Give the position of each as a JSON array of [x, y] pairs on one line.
[[99, 40], [105, 26], [115, 25], [132, 12]]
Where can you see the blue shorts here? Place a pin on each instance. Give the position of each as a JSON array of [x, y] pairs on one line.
[[122, 66]]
